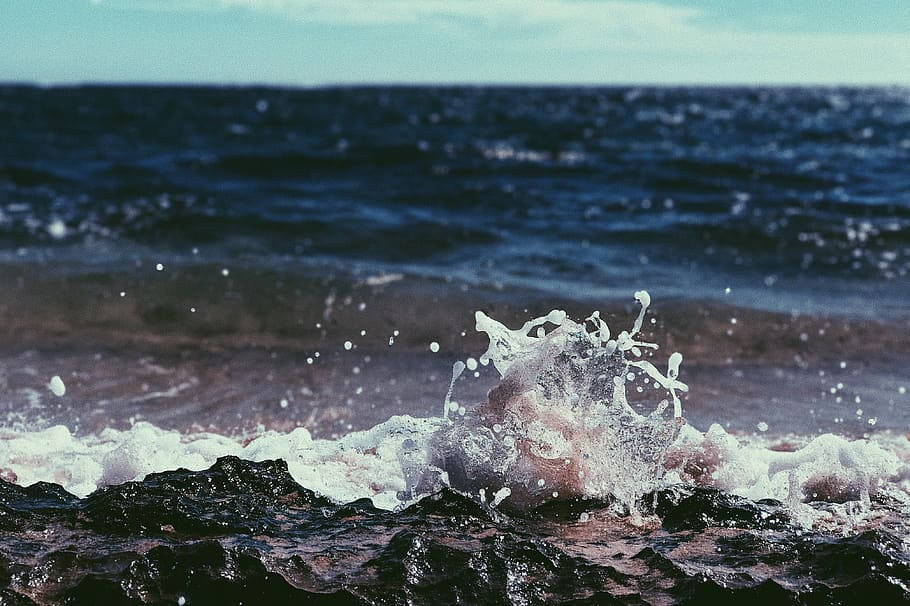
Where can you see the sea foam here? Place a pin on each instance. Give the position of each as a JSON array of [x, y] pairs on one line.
[[559, 425]]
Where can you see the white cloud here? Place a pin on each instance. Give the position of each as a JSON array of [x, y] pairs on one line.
[[682, 45], [492, 13]]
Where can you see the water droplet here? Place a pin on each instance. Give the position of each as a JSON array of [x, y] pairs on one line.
[[57, 229], [57, 387]]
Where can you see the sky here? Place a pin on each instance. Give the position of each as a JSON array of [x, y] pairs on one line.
[[324, 42]]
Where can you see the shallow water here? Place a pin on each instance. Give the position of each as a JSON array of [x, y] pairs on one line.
[[655, 516]]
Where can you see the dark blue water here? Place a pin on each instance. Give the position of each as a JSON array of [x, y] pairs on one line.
[[797, 199]]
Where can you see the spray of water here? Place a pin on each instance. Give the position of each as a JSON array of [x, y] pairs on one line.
[[558, 425]]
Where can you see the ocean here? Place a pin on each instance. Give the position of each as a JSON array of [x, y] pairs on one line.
[[339, 345]]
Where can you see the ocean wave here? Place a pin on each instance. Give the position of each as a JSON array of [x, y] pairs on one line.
[[558, 426]]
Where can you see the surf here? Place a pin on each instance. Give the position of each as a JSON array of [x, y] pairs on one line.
[[558, 426]]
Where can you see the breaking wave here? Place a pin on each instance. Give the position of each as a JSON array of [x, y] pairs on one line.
[[561, 424]]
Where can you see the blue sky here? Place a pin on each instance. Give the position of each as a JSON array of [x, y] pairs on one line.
[[315, 42]]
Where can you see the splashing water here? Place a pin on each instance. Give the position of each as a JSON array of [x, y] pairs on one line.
[[558, 425], [559, 422]]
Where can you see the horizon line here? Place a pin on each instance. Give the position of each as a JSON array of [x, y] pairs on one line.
[[433, 84]]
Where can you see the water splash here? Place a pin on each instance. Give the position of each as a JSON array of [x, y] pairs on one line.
[[559, 425]]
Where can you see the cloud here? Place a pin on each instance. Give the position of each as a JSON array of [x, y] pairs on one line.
[[566, 24], [661, 42], [489, 13], [621, 25]]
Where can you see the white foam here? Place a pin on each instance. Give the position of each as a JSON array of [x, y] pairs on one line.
[[361, 464], [383, 279], [558, 423], [828, 468]]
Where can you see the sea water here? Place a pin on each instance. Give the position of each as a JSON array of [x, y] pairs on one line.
[[311, 352]]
